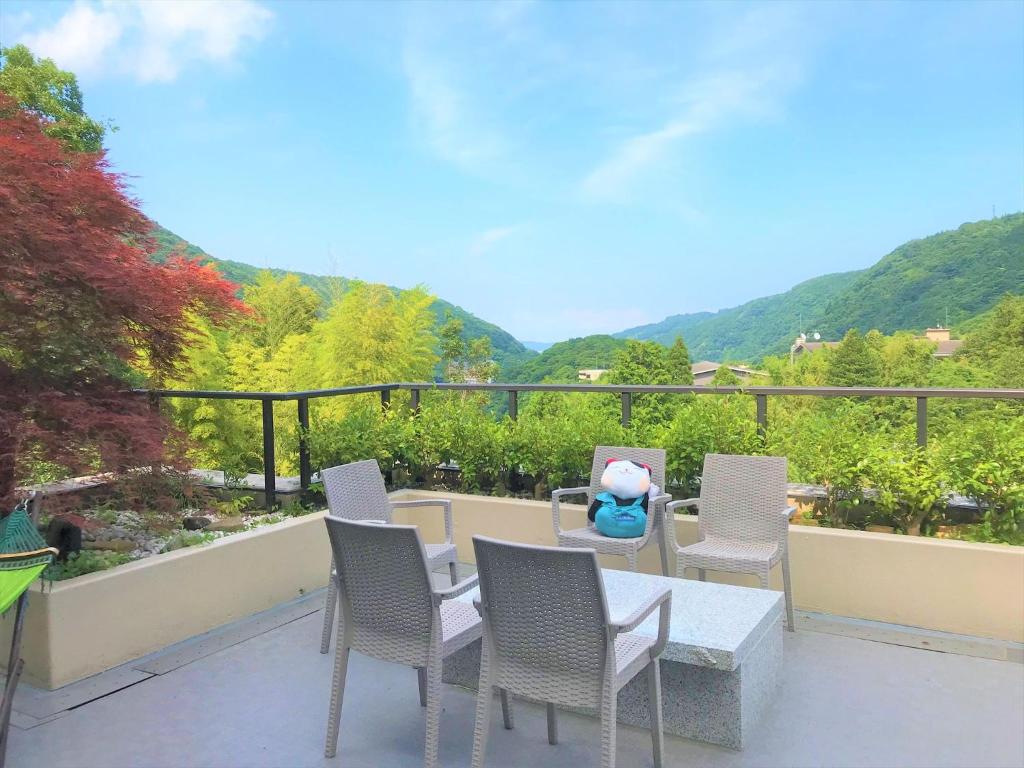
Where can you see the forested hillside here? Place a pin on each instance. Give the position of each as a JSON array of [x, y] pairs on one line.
[[508, 352], [946, 278], [561, 362], [752, 330]]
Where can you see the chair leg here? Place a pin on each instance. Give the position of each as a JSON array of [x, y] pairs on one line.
[[654, 704], [702, 574], [421, 678], [506, 709], [337, 696], [330, 604], [433, 712], [484, 694], [789, 593], [453, 569], [763, 576], [663, 550], [631, 559], [608, 725], [552, 724]]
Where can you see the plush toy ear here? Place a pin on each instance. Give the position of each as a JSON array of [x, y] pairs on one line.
[[645, 466], [610, 461]]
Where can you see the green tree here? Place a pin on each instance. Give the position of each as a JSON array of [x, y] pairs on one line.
[[463, 360], [283, 307], [40, 87], [677, 361], [644, 362], [997, 342], [373, 335], [854, 363], [725, 377]]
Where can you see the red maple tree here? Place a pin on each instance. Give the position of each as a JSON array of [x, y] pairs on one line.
[[82, 308]]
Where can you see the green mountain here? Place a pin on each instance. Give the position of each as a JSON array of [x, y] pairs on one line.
[[752, 330], [947, 278], [508, 352], [562, 362]]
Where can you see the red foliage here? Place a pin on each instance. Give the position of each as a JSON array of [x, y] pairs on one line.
[[81, 304]]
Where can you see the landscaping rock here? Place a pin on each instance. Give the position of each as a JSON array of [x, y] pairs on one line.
[[227, 525], [115, 545], [195, 523]]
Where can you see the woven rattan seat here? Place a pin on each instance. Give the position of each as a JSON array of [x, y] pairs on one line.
[[590, 537], [388, 609], [743, 519], [547, 636], [356, 491]]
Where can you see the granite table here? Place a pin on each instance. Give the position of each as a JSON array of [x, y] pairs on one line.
[[719, 670]]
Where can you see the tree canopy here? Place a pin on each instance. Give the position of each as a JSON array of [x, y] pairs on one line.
[[83, 312], [53, 95]]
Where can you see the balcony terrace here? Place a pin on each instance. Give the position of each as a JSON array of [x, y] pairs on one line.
[[909, 651], [255, 694]]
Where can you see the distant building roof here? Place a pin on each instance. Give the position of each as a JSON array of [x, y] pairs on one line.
[[591, 374], [706, 368], [947, 347]]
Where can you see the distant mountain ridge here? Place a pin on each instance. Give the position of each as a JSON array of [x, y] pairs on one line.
[[956, 274], [508, 351]]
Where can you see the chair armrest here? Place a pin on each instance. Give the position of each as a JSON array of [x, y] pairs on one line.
[[661, 600], [449, 532], [672, 506], [652, 511], [556, 514], [459, 589]]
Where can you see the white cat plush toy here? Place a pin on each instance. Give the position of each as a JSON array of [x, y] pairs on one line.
[[620, 509]]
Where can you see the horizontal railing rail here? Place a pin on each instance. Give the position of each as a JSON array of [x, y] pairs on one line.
[[625, 392]]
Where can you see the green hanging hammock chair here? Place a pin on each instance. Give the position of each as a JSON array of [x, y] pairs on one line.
[[23, 555]]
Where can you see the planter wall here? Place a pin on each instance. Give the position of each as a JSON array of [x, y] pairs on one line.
[[83, 626]]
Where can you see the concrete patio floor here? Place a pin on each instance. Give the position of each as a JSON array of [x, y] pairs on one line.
[[256, 695]]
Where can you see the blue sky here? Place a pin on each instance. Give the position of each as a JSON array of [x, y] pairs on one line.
[[557, 168]]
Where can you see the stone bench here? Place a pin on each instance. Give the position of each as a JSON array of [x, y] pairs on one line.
[[719, 670]]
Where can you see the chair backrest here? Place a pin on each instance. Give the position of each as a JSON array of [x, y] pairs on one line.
[[356, 491], [743, 497], [652, 457], [546, 612], [384, 589]]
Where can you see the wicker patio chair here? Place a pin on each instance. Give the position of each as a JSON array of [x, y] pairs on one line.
[[590, 536], [389, 610], [356, 492], [547, 636], [743, 519]]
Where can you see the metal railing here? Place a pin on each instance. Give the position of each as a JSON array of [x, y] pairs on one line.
[[625, 391]]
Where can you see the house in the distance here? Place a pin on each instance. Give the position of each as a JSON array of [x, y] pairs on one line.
[[944, 344], [592, 374], [941, 337], [704, 371]]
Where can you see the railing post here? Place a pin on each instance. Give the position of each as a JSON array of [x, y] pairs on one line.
[[627, 408], [385, 400], [304, 468], [762, 415], [922, 421], [269, 470], [513, 404], [414, 400]]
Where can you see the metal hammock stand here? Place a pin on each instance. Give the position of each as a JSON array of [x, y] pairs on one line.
[[23, 557]]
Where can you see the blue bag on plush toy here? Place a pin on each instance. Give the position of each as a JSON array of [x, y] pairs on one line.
[[620, 509]]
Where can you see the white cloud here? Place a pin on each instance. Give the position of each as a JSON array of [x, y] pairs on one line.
[[443, 116], [150, 40], [488, 238], [747, 72]]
